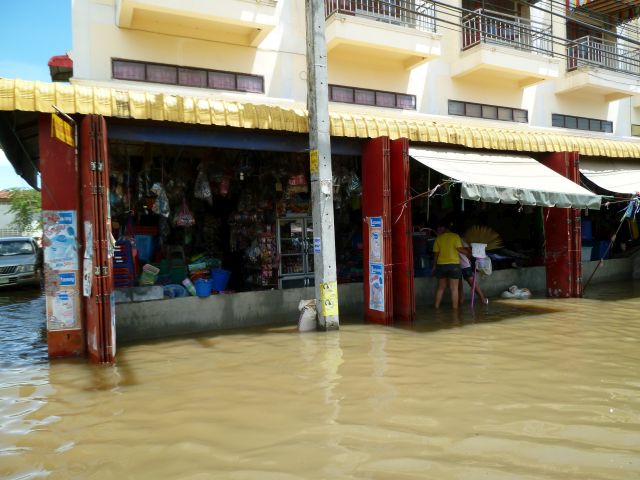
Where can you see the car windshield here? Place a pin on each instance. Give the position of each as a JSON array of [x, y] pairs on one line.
[[15, 247]]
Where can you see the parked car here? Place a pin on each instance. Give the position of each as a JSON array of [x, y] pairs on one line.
[[20, 262]]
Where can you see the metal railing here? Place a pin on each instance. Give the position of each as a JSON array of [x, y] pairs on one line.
[[417, 14], [486, 26], [602, 53]]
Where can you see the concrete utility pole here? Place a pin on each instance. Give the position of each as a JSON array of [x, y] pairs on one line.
[[324, 247]]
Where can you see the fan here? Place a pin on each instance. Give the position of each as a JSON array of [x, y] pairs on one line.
[[483, 234]]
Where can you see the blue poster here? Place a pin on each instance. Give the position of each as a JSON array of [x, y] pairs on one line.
[[376, 286]]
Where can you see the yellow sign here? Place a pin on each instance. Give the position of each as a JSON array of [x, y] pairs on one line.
[[329, 299], [313, 161], [62, 130]]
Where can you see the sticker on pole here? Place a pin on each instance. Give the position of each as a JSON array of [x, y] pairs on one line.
[[317, 245], [313, 161], [329, 299]]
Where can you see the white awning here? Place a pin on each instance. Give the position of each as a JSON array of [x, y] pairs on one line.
[[615, 176], [499, 178]]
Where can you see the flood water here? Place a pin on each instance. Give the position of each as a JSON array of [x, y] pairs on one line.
[[535, 389]]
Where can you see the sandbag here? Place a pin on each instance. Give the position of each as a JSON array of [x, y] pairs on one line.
[[308, 314]]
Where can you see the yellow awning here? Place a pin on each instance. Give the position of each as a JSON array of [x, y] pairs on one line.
[[146, 105]]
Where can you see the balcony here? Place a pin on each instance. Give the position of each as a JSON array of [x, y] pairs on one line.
[[242, 22], [515, 47], [597, 66], [403, 30]]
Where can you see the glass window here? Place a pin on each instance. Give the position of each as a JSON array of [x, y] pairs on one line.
[[583, 123], [490, 112], [456, 108], [365, 97], [521, 116], [570, 122], [595, 125], [124, 70], [192, 78], [10, 248], [384, 99], [557, 120], [341, 94], [473, 110], [249, 83], [162, 74], [505, 114], [406, 101], [222, 80], [607, 127]]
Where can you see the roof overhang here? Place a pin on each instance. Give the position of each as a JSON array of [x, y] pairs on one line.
[[619, 10], [271, 114], [497, 178]]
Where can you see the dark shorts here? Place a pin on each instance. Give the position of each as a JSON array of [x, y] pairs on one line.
[[448, 271], [467, 273]]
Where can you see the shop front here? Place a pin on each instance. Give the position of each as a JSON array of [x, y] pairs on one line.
[[159, 195]]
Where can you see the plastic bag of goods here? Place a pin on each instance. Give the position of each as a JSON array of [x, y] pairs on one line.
[[307, 319], [161, 204], [202, 189], [184, 218]]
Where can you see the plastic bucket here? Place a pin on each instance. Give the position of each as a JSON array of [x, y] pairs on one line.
[[219, 279], [203, 288]]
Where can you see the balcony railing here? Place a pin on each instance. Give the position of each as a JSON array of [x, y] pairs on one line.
[[604, 54], [417, 14], [485, 26]]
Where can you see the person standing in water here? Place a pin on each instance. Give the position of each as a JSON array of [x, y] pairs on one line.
[[468, 274], [446, 263]]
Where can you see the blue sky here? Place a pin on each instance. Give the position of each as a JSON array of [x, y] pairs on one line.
[[32, 32]]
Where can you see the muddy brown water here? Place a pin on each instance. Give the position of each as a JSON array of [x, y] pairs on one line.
[[536, 389]]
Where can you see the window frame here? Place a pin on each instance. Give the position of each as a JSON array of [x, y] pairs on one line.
[[606, 126], [207, 71], [398, 104], [500, 111]]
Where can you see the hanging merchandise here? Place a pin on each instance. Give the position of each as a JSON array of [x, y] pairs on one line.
[[144, 183], [161, 204], [202, 189], [224, 186], [184, 217], [354, 187]]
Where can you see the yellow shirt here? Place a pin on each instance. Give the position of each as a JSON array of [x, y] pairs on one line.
[[447, 246]]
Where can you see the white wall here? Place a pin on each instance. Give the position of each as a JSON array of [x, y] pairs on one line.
[[280, 58]]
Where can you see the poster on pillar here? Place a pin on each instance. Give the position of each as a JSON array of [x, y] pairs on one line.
[[375, 240], [60, 246], [376, 286]]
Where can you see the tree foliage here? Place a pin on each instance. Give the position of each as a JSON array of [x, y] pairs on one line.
[[24, 204]]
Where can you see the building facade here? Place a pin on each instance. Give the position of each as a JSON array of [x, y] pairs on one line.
[[164, 94]]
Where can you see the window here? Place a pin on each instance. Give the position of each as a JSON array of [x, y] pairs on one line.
[[581, 123], [490, 112], [635, 130], [378, 98], [128, 70], [186, 76]]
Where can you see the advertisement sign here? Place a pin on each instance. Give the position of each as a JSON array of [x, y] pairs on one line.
[[376, 286], [375, 240]]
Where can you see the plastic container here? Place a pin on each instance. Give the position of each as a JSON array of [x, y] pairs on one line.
[[174, 291], [189, 286], [586, 253], [144, 245], [203, 288], [219, 279], [149, 275]]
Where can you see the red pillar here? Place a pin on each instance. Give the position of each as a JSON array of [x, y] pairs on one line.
[[563, 242], [404, 299], [59, 177], [376, 231]]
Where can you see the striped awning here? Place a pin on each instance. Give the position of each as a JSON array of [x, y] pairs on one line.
[[151, 105]]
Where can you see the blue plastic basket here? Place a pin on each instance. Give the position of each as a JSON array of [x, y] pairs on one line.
[[203, 287], [144, 245], [219, 279]]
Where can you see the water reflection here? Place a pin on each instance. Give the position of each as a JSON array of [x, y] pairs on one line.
[[535, 389]]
